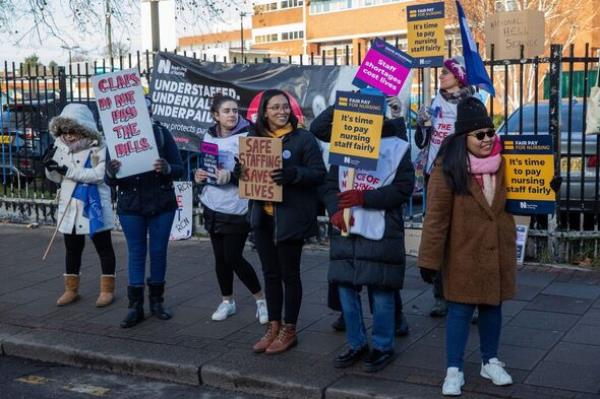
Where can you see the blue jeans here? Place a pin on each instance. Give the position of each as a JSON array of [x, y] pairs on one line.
[[383, 317], [136, 229], [457, 331]]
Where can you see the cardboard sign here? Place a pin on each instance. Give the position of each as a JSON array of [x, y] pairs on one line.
[[182, 224], [210, 161], [426, 35], [384, 67], [259, 156], [529, 170], [356, 131], [507, 31], [125, 121]]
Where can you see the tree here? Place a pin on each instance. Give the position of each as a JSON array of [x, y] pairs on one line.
[[31, 64]]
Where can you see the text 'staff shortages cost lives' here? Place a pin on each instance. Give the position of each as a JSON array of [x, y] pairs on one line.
[[529, 170]]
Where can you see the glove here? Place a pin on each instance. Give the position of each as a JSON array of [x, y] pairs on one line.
[[428, 275], [395, 108], [423, 115], [555, 183], [53, 166], [223, 176], [350, 198], [284, 176], [162, 166], [47, 158], [337, 221], [113, 167], [237, 171]]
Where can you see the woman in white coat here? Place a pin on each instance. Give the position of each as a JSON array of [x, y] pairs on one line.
[[77, 163]]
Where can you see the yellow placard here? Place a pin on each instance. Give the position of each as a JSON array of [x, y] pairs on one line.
[[528, 177], [356, 134]]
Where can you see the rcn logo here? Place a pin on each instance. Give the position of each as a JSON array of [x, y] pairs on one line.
[[525, 205], [164, 66]]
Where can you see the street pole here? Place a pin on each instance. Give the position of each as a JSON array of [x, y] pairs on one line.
[[109, 32], [242, 15]]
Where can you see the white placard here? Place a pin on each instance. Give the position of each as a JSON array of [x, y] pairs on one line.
[[182, 224], [125, 121]]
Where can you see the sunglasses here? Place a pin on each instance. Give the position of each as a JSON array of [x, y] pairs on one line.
[[481, 135]]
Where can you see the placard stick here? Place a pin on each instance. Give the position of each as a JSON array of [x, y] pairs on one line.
[[56, 230], [348, 211]]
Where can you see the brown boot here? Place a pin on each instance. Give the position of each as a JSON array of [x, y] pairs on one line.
[[71, 290], [268, 338], [284, 341], [107, 290]]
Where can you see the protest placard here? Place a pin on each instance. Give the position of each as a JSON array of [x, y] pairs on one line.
[[209, 160], [384, 67], [125, 121], [507, 31], [259, 156], [181, 228], [529, 169], [426, 36]]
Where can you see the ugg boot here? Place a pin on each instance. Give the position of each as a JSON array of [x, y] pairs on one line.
[[155, 296], [285, 340], [268, 338], [71, 293], [135, 314], [107, 290]]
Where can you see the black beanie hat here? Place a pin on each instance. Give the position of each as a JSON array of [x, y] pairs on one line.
[[471, 115]]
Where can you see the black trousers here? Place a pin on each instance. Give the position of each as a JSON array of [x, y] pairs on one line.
[[74, 243], [333, 299], [228, 250], [281, 270]]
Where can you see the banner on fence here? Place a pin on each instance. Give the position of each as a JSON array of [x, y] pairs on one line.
[[384, 67], [210, 160], [125, 121], [259, 156], [182, 224], [529, 170], [426, 25], [356, 131], [510, 30], [182, 89]]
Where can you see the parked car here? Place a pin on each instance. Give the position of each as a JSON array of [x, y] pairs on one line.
[[582, 174]]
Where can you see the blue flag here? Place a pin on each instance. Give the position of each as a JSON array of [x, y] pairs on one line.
[[92, 206], [476, 73]]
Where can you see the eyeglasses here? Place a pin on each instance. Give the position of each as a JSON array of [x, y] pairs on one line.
[[279, 107], [481, 135]]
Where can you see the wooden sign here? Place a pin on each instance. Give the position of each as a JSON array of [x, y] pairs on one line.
[[259, 156], [507, 31]]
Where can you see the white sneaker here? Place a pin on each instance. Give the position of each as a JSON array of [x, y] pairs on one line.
[[224, 310], [261, 311], [453, 382], [494, 371]]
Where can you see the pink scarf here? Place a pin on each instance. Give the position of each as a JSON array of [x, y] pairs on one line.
[[484, 170]]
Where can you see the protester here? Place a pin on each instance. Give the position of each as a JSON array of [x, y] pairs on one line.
[[224, 211], [77, 162], [373, 254], [394, 126], [434, 124], [280, 228], [469, 236], [146, 206]]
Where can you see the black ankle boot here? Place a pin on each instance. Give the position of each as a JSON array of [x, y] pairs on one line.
[[135, 314], [155, 296]]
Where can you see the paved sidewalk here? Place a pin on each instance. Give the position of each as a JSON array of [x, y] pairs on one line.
[[550, 341]]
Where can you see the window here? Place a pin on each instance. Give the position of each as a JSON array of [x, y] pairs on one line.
[[292, 35], [323, 6], [266, 38], [292, 3], [260, 8]]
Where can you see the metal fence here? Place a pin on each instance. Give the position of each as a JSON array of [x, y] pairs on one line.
[[541, 95]]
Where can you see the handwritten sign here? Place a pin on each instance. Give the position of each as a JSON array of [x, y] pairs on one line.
[[507, 31], [384, 67], [125, 121], [259, 156], [210, 160], [356, 131], [426, 34], [529, 170], [182, 224]]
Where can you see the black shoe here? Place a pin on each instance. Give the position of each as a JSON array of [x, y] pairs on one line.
[[377, 360], [155, 296], [339, 324], [135, 313], [439, 309], [402, 328], [351, 356]]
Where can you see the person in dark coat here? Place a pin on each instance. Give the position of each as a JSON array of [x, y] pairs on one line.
[[146, 206], [373, 254], [225, 212], [321, 128], [280, 227]]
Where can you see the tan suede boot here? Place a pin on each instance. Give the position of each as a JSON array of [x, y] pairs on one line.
[[285, 340], [268, 338], [71, 293], [107, 290]]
